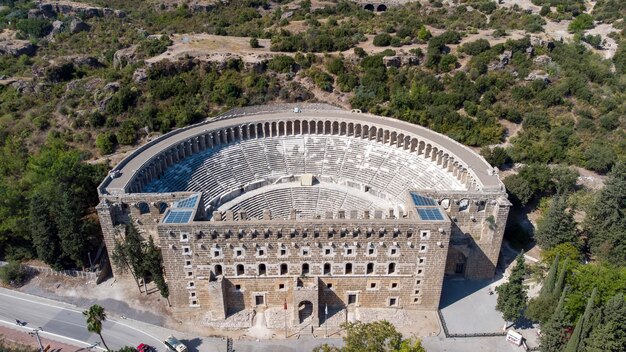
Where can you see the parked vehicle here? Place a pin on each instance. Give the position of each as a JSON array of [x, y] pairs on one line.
[[145, 348], [174, 345]]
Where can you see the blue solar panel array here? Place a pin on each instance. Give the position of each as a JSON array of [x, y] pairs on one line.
[[178, 217], [429, 214], [187, 203], [421, 200]]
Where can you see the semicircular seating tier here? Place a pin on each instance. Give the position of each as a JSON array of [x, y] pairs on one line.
[[256, 161]]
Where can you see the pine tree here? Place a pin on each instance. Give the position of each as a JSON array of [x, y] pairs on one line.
[[127, 256], [610, 334], [606, 221], [153, 263], [44, 232], [512, 295], [556, 226], [73, 241]]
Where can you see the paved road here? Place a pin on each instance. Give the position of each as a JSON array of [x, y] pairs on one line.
[[67, 321]]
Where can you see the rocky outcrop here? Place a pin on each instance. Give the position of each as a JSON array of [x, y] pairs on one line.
[[411, 60], [57, 27], [538, 75], [16, 47], [504, 59], [125, 56], [140, 75], [542, 60], [392, 61], [77, 26], [52, 9]]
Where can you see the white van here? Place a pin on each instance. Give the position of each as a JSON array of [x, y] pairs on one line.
[[174, 345]]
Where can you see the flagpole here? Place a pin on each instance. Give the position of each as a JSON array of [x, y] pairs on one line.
[[326, 321]]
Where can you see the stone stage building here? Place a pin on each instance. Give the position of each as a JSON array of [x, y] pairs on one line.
[[308, 206]]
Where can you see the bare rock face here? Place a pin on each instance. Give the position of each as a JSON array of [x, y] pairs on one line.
[[542, 60], [35, 13], [125, 56], [140, 75], [77, 26], [411, 60], [392, 61], [51, 10], [538, 75], [23, 86], [16, 47]]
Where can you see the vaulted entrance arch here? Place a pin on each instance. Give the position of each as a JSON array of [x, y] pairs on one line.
[[305, 312]]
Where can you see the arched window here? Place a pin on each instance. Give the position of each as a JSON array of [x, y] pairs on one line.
[[240, 270], [464, 205], [348, 268], [284, 269], [392, 268], [144, 208], [327, 269], [370, 268], [262, 270], [305, 268], [218, 270], [162, 207]]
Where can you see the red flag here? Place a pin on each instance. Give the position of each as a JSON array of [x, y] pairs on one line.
[[285, 306]]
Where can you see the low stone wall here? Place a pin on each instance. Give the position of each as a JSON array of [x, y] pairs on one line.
[[51, 272]]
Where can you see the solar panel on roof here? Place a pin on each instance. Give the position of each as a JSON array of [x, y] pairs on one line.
[[178, 217], [421, 200], [187, 203], [430, 214]]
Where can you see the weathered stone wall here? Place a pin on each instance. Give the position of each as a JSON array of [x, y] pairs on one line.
[[197, 253], [478, 221]]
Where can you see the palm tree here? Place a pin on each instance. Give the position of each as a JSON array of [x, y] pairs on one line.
[[95, 316]]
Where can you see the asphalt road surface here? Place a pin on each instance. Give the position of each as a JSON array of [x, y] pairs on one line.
[[66, 321]]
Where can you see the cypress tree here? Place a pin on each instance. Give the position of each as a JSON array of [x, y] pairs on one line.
[[577, 336], [512, 295], [550, 280], [554, 331], [558, 287]]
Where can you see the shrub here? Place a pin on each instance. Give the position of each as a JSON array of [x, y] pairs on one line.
[[360, 52], [105, 142], [497, 156], [254, 43], [281, 63], [34, 27], [447, 63], [13, 274], [580, 23], [154, 46], [383, 39], [475, 47]]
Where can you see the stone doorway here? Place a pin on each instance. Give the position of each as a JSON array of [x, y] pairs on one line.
[[305, 312]]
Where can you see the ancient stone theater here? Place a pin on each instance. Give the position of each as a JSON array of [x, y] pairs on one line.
[[308, 207]]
